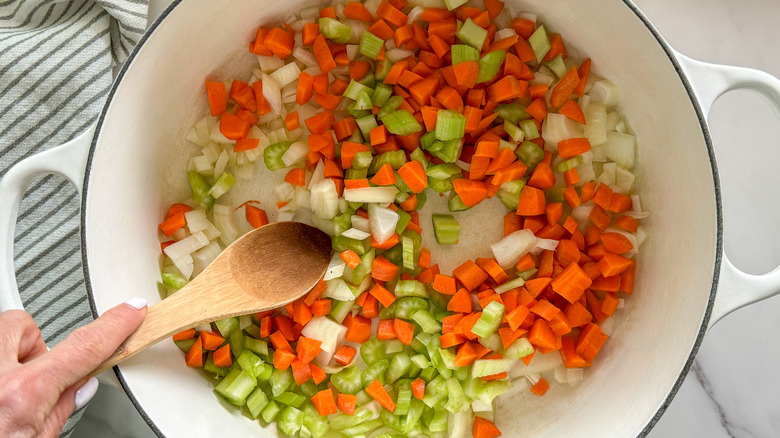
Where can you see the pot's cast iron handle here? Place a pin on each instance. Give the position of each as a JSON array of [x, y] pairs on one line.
[[710, 81], [67, 160]]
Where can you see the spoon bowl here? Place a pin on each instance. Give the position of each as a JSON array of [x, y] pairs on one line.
[[262, 270]]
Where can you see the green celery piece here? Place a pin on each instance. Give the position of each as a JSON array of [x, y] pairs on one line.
[[514, 187], [374, 371], [410, 288], [392, 104], [554, 194], [510, 200], [403, 388], [213, 369], [370, 45], [456, 399], [354, 173], [361, 161], [393, 346], [309, 388], [557, 66], [393, 421], [252, 331], [382, 69], [362, 429], [340, 309], [354, 88], [343, 222], [382, 93], [529, 153], [445, 228], [426, 321], [271, 411], [529, 129], [290, 420], [455, 204], [399, 366], [236, 386], [395, 255], [174, 281], [395, 159], [416, 408], [462, 53], [272, 155], [364, 268], [489, 367], [452, 4], [511, 284], [250, 363], [427, 140], [407, 245], [448, 358], [450, 125], [421, 361], [462, 373], [513, 112], [439, 421], [236, 339], [341, 244], [226, 326], [200, 190], [256, 402], [514, 131], [266, 374], [402, 122], [340, 422], [313, 421], [347, 381], [419, 155], [372, 351], [440, 185], [569, 164], [472, 34], [540, 43], [335, 30], [443, 171], [489, 65], [357, 113], [185, 345], [280, 381], [363, 101], [491, 318], [290, 398], [449, 151], [406, 306], [519, 349], [416, 237], [403, 220], [429, 373]]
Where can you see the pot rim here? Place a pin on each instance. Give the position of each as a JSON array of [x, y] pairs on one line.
[[702, 124]]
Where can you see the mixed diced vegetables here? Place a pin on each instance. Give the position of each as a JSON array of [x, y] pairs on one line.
[[369, 109]]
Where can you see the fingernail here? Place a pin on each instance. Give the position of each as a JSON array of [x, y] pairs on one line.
[[86, 392], [137, 302]]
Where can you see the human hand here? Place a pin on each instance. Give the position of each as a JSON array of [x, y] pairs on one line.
[[40, 389]]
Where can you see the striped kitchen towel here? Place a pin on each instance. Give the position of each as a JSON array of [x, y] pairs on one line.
[[56, 60]]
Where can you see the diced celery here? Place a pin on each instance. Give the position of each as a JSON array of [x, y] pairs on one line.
[[185, 345], [271, 411], [450, 125], [363, 101], [343, 222], [280, 381], [421, 361], [226, 326], [429, 373], [250, 363], [448, 358], [357, 114], [449, 151], [491, 318], [513, 112], [374, 371], [519, 349], [510, 200], [272, 155], [365, 267], [571, 163], [362, 429], [372, 351], [362, 415], [236, 339], [407, 245], [472, 34], [174, 281], [266, 373], [426, 321], [404, 398], [455, 204], [456, 399], [452, 4], [341, 243], [529, 153], [361, 161], [335, 30], [393, 346], [313, 421], [489, 367], [290, 420], [354, 88], [347, 381], [492, 342], [445, 228], [392, 104], [557, 66], [416, 408], [402, 122], [514, 131], [419, 155], [410, 288], [256, 402], [399, 366], [370, 45], [405, 307], [366, 124], [443, 171], [438, 423], [236, 386], [290, 398], [382, 93], [382, 69], [540, 43], [554, 194], [213, 369], [340, 309], [395, 159], [403, 220], [490, 64], [355, 173], [462, 53], [462, 373], [529, 129], [200, 190], [393, 421], [509, 285], [439, 185], [308, 389]]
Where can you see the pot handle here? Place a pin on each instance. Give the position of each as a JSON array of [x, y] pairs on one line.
[[67, 160], [736, 289]]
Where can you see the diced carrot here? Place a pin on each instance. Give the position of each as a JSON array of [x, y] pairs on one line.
[[460, 302], [346, 403], [571, 283], [283, 359], [217, 96], [194, 356], [590, 341], [616, 243], [540, 387], [356, 11], [470, 275], [378, 393], [418, 388], [317, 374], [444, 284], [532, 202], [222, 358], [484, 428], [583, 71], [210, 340], [345, 355], [324, 402], [413, 174], [321, 307], [359, 330]]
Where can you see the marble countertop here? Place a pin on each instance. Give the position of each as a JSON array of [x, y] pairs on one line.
[[731, 390]]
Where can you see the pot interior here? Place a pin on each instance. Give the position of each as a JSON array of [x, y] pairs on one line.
[[138, 168]]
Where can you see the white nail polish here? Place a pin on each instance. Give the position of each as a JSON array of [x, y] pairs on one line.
[[86, 392], [137, 302]]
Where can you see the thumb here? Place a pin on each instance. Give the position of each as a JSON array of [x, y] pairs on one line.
[[88, 346]]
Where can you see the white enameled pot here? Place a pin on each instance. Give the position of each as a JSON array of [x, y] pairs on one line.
[[133, 165]]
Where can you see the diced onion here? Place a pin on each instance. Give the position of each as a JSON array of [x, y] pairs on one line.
[[360, 223], [558, 127], [295, 153], [544, 245], [269, 64], [273, 94], [196, 220], [335, 268], [186, 246], [371, 194], [285, 75], [304, 56], [606, 92], [338, 290], [325, 199], [382, 222], [354, 233], [511, 248]]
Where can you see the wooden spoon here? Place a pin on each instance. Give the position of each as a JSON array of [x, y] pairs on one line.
[[264, 269]]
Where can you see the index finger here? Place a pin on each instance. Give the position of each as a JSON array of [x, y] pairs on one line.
[[87, 347]]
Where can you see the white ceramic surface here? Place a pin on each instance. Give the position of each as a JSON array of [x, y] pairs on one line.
[[658, 199]]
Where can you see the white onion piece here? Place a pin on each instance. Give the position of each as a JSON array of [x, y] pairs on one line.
[[204, 256], [354, 233], [360, 223], [273, 94], [329, 332], [304, 56], [295, 153], [505, 33], [371, 194], [398, 54], [581, 213], [558, 127], [596, 123], [301, 198], [620, 148], [624, 181], [511, 248], [606, 92], [284, 192], [196, 220], [186, 246], [222, 162], [285, 75], [382, 222], [325, 199], [335, 268], [338, 290], [269, 64], [540, 363], [225, 221], [544, 244]]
